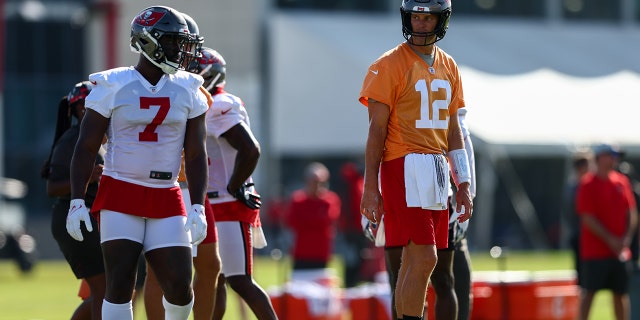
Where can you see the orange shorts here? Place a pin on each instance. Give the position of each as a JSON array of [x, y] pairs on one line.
[[403, 224]]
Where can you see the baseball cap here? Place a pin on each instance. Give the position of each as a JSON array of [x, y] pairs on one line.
[[607, 148]]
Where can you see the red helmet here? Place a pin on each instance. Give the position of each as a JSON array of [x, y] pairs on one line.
[[80, 91], [212, 67]]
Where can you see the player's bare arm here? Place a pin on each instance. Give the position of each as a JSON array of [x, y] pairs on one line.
[[241, 139], [92, 131], [371, 205], [195, 158]]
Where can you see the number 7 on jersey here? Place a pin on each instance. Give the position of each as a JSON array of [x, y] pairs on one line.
[[149, 133]]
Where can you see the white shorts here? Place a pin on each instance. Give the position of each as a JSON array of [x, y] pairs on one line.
[[152, 233], [234, 244], [186, 198]]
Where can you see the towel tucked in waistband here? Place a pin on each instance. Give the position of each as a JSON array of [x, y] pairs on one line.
[[426, 179]]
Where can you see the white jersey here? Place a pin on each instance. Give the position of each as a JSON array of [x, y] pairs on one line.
[[226, 111], [147, 123]]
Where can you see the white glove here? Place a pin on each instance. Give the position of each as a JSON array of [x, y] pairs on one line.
[[78, 212], [197, 224]]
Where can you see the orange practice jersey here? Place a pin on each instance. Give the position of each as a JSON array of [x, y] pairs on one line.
[[182, 177], [421, 99]]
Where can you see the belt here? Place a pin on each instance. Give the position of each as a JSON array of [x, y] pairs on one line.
[[212, 195]]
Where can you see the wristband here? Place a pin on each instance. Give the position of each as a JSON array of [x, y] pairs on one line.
[[459, 164]]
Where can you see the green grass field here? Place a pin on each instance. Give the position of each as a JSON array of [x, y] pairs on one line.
[[49, 291]]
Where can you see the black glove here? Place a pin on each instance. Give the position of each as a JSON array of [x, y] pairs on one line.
[[250, 199]]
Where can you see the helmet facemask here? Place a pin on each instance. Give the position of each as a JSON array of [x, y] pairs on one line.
[[192, 51], [441, 8], [193, 47], [155, 52]]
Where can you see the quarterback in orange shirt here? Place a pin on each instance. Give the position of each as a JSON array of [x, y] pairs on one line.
[[413, 93]]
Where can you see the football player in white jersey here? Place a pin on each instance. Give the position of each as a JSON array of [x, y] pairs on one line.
[[206, 260], [233, 153], [150, 113]]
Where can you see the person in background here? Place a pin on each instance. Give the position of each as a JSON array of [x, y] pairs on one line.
[[312, 216], [206, 259], [367, 260], [452, 282], [233, 153], [581, 164], [413, 93], [629, 171], [152, 114], [350, 225], [84, 258], [274, 223], [608, 218], [462, 279]]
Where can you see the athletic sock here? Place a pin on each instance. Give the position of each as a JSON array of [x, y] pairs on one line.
[[406, 317], [175, 312], [112, 311]]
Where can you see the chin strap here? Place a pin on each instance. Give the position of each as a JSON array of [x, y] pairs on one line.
[[167, 67]]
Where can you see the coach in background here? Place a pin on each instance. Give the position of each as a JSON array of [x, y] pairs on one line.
[[608, 213]]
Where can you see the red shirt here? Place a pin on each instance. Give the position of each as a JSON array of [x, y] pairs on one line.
[[609, 201], [355, 188], [313, 223]]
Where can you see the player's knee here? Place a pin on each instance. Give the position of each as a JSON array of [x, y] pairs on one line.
[[178, 292], [441, 280], [426, 260]]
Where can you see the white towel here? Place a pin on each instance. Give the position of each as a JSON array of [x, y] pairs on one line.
[[426, 179], [381, 240], [258, 240]]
